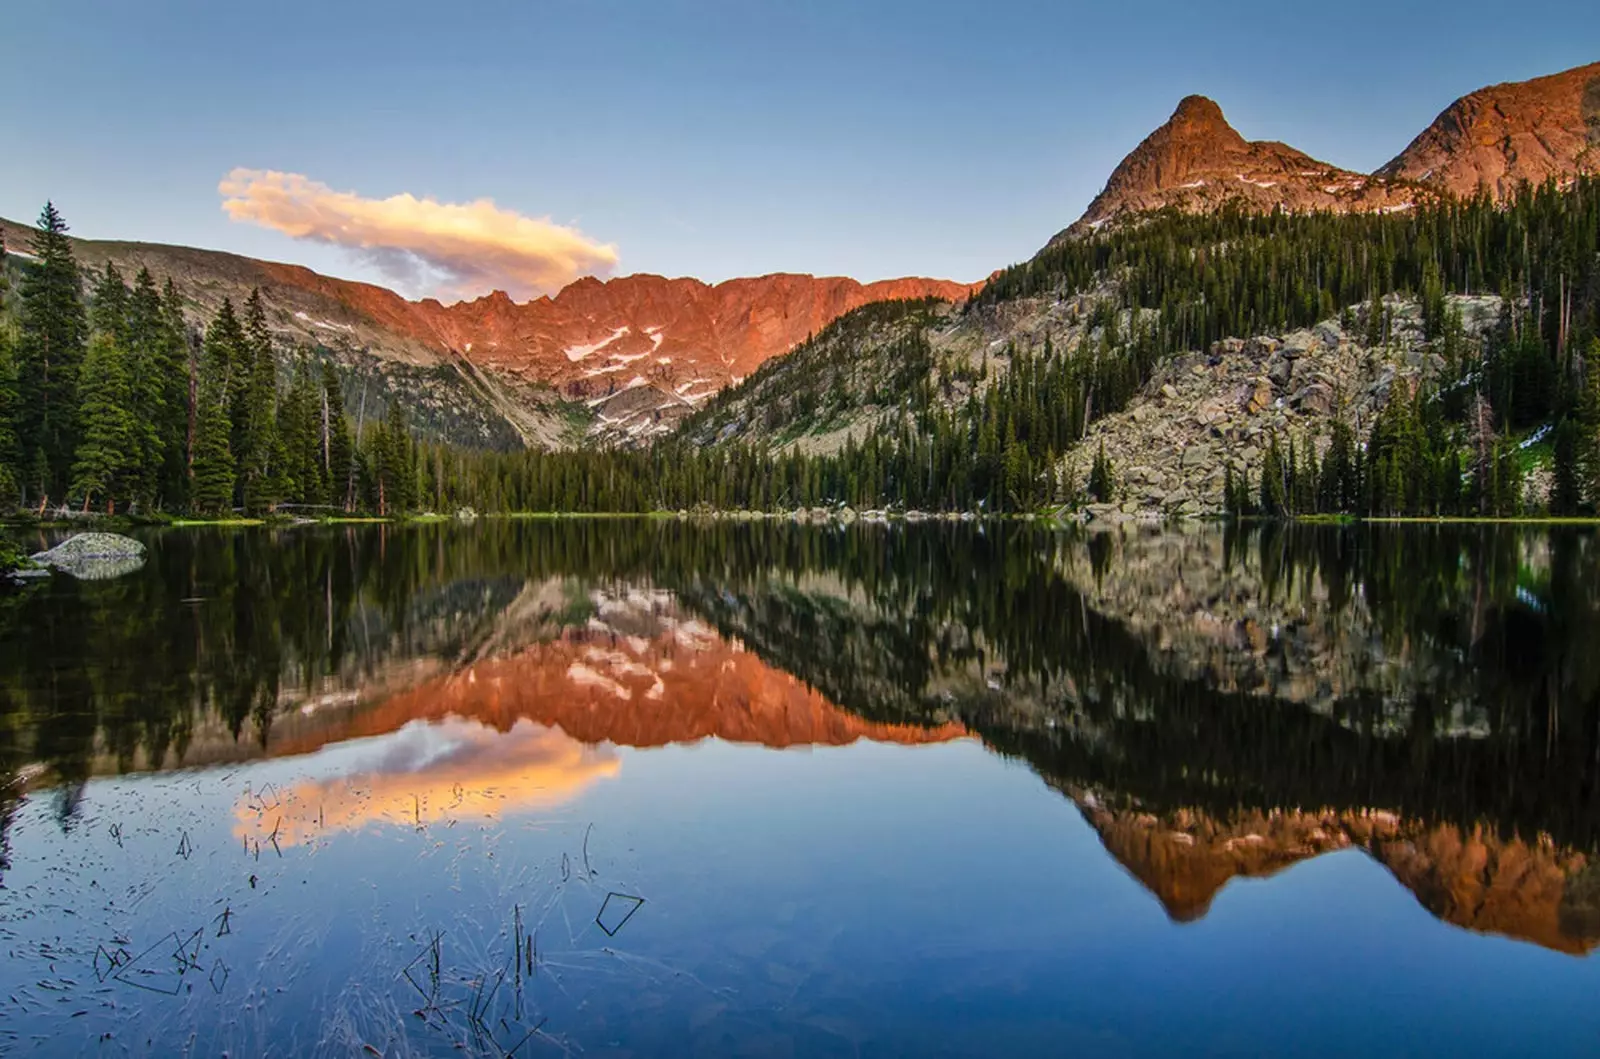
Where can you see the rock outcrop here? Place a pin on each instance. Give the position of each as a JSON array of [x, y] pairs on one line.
[[1500, 136], [1204, 410]]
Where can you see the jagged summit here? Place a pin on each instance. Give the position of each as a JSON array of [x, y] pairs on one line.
[[1197, 161]]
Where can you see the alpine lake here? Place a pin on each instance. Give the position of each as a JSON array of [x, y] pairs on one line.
[[659, 787]]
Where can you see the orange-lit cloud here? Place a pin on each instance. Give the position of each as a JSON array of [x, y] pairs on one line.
[[429, 772], [455, 250]]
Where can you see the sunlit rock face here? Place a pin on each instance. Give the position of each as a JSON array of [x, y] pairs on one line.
[[1500, 136], [1528, 890]]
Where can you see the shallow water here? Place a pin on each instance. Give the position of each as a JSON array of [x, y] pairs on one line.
[[643, 788]]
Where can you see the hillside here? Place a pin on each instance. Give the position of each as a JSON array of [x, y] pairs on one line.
[[1265, 307], [620, 359]]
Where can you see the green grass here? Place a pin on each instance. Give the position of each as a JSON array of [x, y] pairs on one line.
[[188, 523]]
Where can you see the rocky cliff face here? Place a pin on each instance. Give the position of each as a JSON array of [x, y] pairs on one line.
[[639, 352], [1500, 136], [1198, 162], [1496, 138]]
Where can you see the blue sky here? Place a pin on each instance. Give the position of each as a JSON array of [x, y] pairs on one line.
[[713, 139]]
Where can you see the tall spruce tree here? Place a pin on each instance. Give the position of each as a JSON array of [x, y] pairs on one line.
[[10, 453], [338, 449], [147, 387], [50, 354], [259, 459], [106, 464], [109, 306], [1588, 423], [179, 377]]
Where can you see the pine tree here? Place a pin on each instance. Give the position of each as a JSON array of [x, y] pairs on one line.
[[214, 469], [1273, 499], [50, 353], [179, 377], [338, 449], [1102, 479], [147, 364], [1566, 491], [109, 306], [107, 459], [1588, 436], [10, 453], [260, 465], [211, 484]]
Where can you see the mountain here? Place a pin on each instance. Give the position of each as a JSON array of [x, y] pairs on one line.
[[1499, 136], [1495, 137], [1198, 162], [623, 358]]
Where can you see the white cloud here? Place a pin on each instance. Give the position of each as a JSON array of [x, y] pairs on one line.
[[455, 250]]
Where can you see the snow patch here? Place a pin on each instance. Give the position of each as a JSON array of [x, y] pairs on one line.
[[577, 353], [326, 324]]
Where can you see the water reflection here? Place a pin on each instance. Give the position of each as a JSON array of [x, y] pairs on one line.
[[1213, 705]]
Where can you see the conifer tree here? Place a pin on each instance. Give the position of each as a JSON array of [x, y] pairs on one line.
[[107, 459], [10, 453], [109, 306], [50, 353], [179, 378], [147, 364], [260, 463], [1273, 501], [1588, 424], [211, 485], [1566, 491], [1102, 479], [338, 450]]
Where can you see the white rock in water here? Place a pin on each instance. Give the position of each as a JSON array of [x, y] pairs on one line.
[[94, 556]]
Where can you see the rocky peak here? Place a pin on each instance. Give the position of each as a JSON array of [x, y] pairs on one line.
[[1499, 136], [1197, 161]]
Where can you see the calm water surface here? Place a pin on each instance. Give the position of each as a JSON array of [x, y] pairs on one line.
[[646, 788]]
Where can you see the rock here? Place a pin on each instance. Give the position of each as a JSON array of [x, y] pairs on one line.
[[1260, 397], [94, 556], [1195, 456], [1314, 399], [466, 514], [1168, 393], [1281, 371]]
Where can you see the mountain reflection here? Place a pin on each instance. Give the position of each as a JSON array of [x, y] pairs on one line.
[[1217, 703], [1529, 890]]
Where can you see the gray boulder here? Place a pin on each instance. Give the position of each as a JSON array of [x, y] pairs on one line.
[[94, 556]]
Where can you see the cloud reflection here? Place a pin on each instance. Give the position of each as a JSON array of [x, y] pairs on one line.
[[425, 773]]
